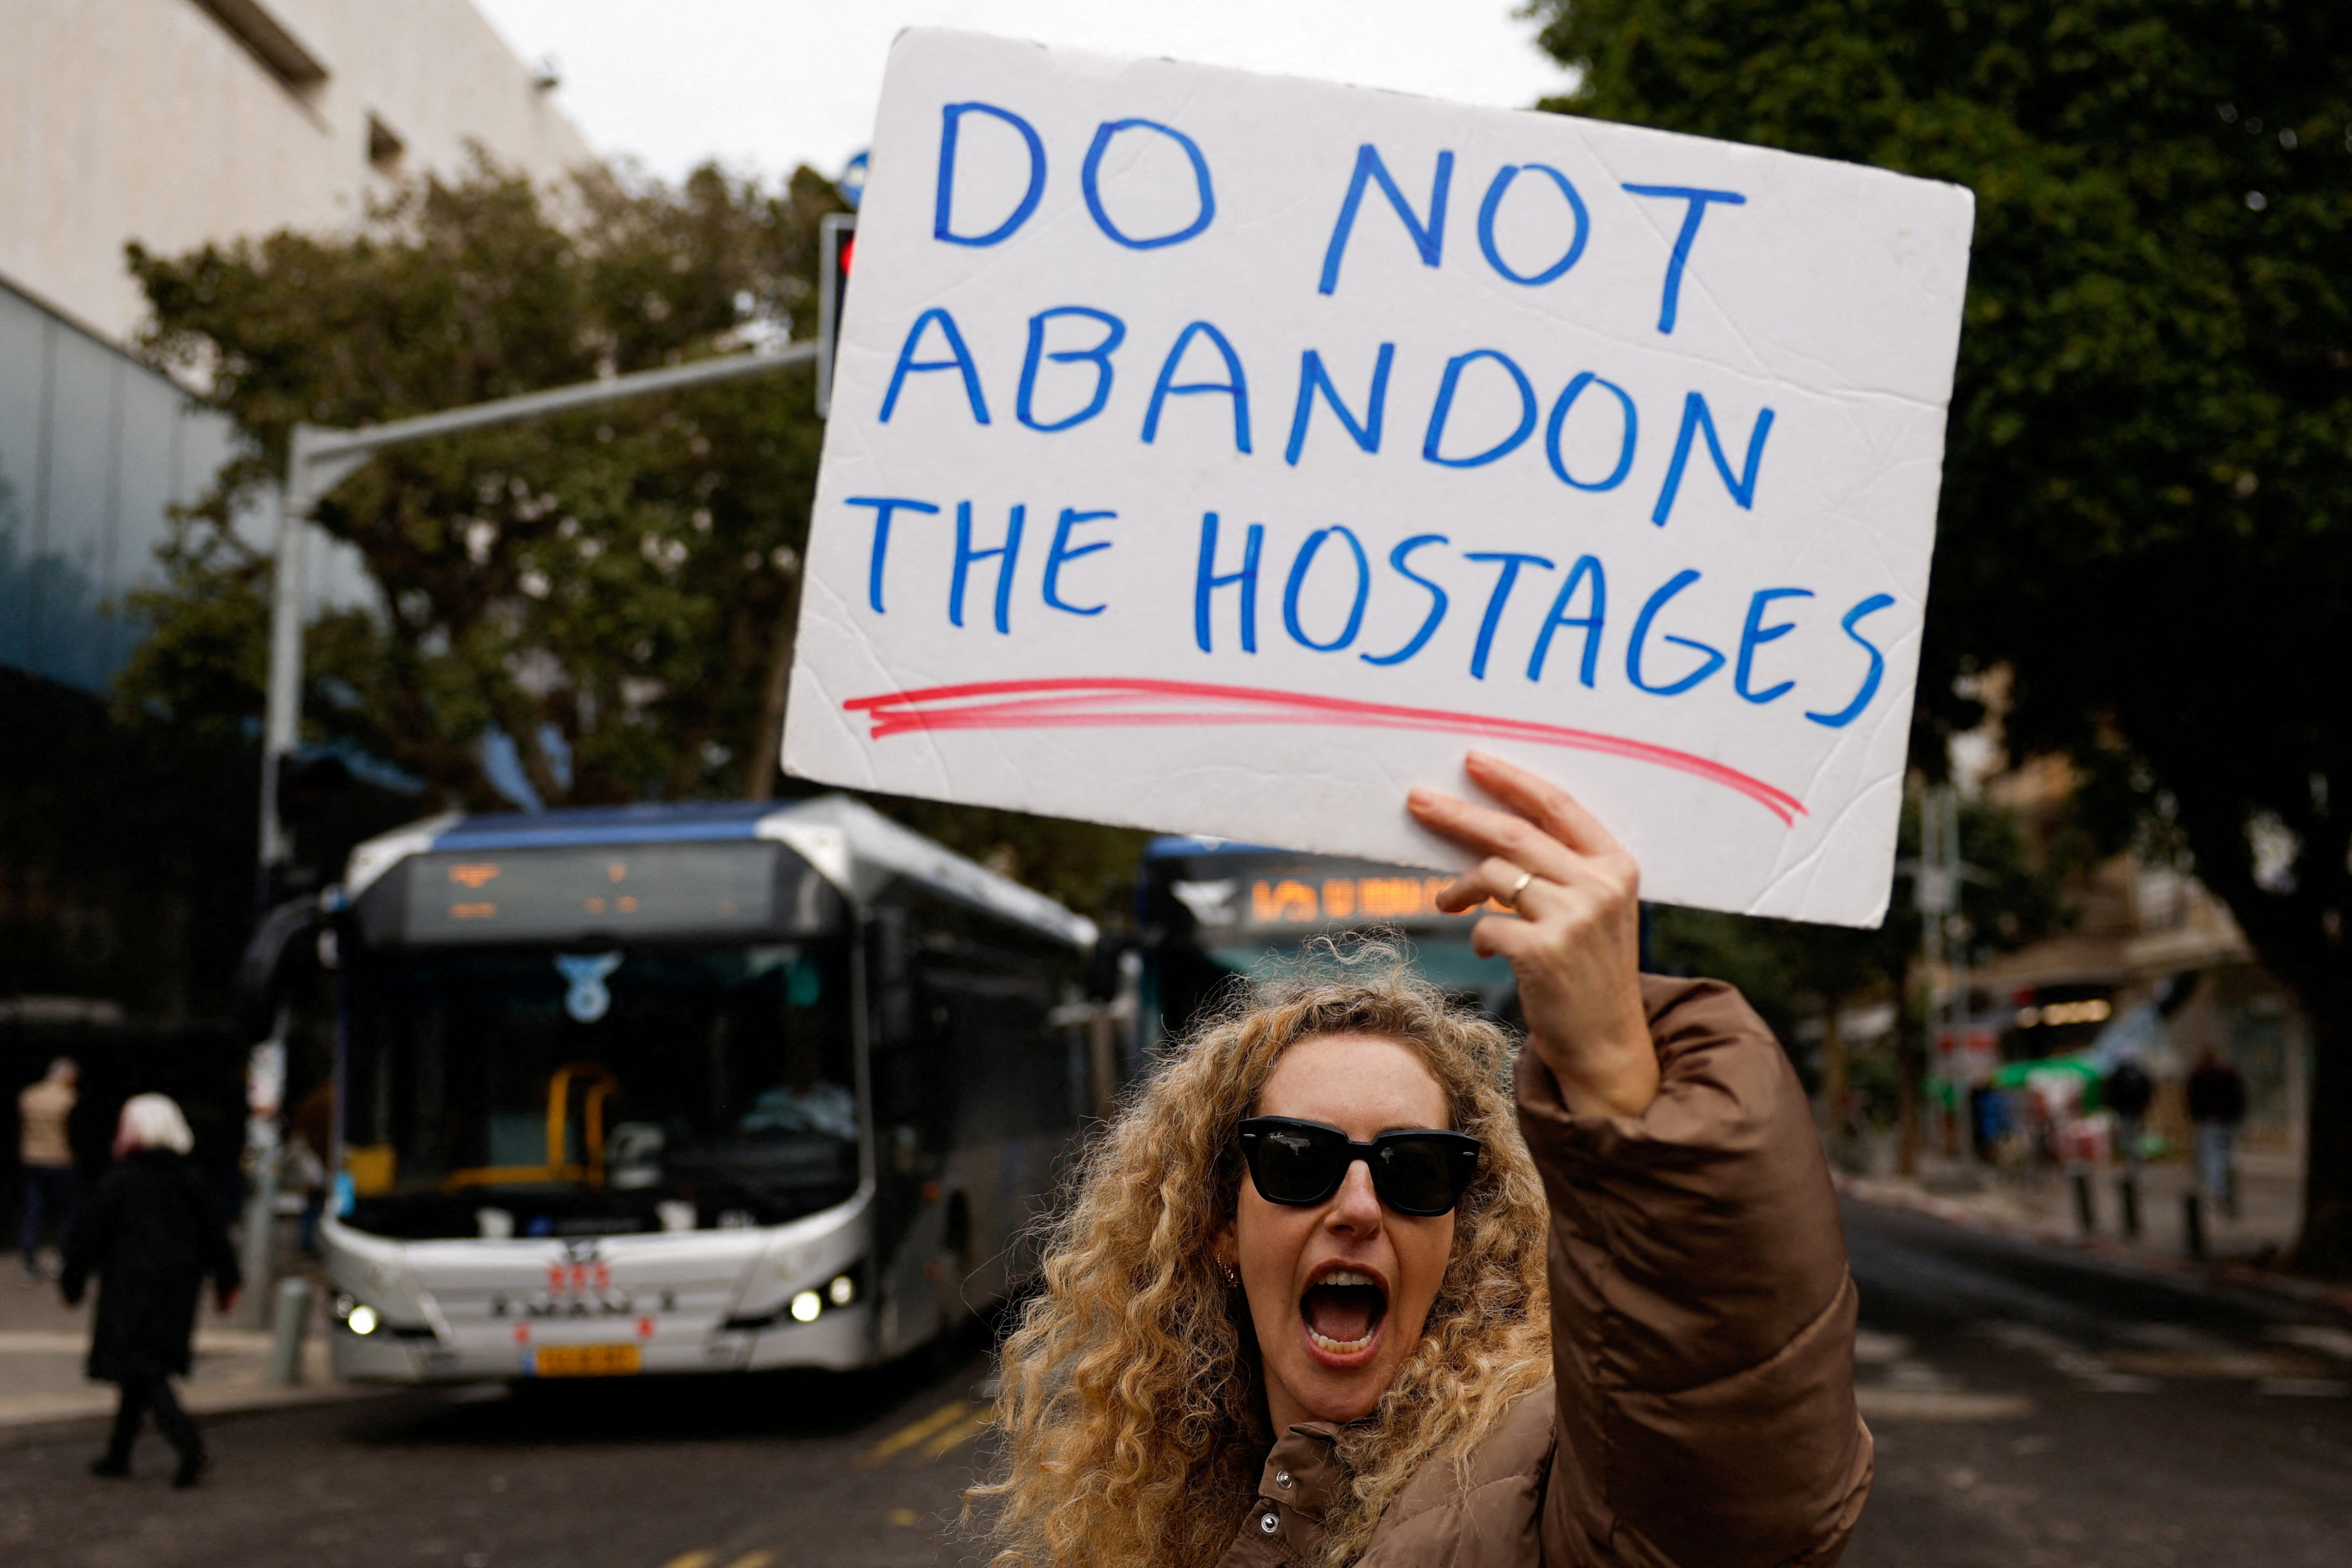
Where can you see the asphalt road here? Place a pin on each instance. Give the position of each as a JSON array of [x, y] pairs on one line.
[[2038, 1408], [2034, 1408]]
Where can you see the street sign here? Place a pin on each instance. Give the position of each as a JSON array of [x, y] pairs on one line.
[[1224, 453]]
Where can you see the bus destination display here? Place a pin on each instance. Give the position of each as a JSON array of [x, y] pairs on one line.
[[1291, 894], [622, 890]]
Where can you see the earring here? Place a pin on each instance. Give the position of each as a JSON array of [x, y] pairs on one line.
[[1232, 1277]]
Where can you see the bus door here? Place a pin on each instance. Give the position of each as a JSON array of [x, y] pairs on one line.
[[911, 1088]]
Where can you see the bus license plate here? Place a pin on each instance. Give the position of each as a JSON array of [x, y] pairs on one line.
[[587, 1361]]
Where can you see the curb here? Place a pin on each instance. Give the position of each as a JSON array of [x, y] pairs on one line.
[[1891, 1195], [96, 1404]]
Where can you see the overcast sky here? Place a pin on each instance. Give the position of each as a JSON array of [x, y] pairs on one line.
[[765, 85]]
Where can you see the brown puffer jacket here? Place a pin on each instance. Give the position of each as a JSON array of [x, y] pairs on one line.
[[1701, 1412]]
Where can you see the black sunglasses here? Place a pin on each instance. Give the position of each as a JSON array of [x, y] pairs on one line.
[[1421, 1171]]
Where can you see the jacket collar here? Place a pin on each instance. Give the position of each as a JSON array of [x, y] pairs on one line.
[[1303, 1472]]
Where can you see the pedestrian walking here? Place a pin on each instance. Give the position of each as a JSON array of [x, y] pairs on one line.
[[2127, 1091], [1326, 1294], [2217, 1104], [150, 1233], [46, 1160]]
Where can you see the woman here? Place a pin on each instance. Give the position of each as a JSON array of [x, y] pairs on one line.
[[150, 1234], [1326, 1296]]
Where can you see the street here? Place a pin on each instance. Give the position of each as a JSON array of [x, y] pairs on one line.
[[2032, 1407], [783, 1470], [2038, 1408]]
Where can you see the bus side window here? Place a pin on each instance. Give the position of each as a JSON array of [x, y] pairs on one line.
[[1013, 1063]]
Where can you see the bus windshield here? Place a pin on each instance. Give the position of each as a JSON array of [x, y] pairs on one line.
[[1212, 914], [597, 1088]]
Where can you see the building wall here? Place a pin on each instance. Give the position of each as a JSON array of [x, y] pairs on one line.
[[127, 852], [94, 448], [158, 120], [176, 122]]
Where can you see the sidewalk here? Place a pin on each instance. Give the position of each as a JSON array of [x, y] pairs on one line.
[[42, 1345], [2040, 1205]]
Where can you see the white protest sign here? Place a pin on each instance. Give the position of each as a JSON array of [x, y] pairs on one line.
[[1224, 453]]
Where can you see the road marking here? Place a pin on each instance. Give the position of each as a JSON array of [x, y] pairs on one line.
[[2088, 1371], [2122, 1382], [1919, 1377], [691, 1560], [907, 1437], [2334, 1341], [1882, 1404], [2275, 1366], [963, 1431]]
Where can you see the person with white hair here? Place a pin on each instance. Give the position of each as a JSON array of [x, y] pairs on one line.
[[150, 1234]]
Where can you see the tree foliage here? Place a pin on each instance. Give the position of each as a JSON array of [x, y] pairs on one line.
[[606, 588], [610, 592], [2146, 489]]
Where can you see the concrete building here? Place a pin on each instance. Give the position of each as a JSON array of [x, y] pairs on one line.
[[126, 852], [177, 122], [174, 123]]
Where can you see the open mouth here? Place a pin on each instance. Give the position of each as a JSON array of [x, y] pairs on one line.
[[1342, 1311]]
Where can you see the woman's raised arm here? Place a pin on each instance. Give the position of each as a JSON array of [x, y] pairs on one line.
[[1702, 1313]]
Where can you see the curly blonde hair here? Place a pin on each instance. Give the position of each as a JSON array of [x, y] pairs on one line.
[[1133, 1408]]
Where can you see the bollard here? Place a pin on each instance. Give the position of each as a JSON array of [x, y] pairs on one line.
[[2086, 1211], [2127, 1196], [2192, 1224], [289, 1321]]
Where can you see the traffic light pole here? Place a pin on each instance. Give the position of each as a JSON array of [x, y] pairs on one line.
[[318, 459]]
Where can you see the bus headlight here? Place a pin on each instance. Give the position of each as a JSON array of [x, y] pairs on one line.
[[357, 1315], [805, 1305]]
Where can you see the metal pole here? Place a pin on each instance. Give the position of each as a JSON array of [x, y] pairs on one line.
[[1931, 890], [265, 1089], [1955, 931], [289, 1321], [370, 439], [318, 459], [282, 713]]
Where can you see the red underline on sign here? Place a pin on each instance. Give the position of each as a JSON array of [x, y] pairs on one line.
[[1083, 703]]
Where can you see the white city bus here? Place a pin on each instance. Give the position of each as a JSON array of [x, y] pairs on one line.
[[686, 1089]]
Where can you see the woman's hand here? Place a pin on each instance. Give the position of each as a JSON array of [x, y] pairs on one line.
[[1574, 944]]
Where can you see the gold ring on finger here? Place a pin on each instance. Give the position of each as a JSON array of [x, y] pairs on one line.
[[1511, 899]]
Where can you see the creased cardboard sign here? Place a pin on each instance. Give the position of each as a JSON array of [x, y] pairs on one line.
[[1224, 453]]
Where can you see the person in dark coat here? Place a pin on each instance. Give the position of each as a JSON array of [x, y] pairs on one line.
[[2217, 1104], [150, 1234], [2127, 1091]]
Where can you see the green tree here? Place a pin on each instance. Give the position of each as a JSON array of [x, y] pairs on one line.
[[613, 590], [2147, 490]]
